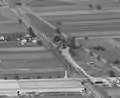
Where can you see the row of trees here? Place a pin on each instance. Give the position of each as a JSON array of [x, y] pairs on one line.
[[98, 7], [99, 47]]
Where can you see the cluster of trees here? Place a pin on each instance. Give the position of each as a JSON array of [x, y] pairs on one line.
[[98, 7], [111, 73], [117, 61], [99, 47]]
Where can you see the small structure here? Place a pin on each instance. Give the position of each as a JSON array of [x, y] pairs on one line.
[[23, 42]]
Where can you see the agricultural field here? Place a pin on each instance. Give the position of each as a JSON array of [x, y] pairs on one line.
[[9, 23], [110, 53], [113, 92], [24, 61], [31, 61], [7, 15], [68, 5]]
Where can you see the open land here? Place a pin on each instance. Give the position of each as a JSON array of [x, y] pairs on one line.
[[27, 61], [81, 25], [77, 25]]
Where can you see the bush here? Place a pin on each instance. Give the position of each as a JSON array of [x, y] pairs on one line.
[[58, 31], [111, 73], [117, 61], [58, 23], [31, 32], [39, 42], [91, 6], [86, 38], [98, 7], [101, 48], [57, 38]]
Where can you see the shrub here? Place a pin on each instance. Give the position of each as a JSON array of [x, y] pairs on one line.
[[98, 7], [112, 73], [117, 61]]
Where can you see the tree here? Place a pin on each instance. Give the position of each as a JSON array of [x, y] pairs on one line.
[[91, 6], [16, 77], [98, 58], [39, 77], [112, 73], [18, 93], [73, 45], [91, 54], [99, 47], [59, 22], [31, 32], [50, 77], [86, 38], [5, 78], [58, 31], [72, 52], [98, 7], [39, 42], [117, 61], [57, 38], [20, 21]]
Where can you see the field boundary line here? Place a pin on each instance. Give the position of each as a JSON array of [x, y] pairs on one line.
[[23, 49], [77, 12]]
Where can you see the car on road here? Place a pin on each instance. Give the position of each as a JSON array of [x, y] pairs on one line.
[[101, 82]]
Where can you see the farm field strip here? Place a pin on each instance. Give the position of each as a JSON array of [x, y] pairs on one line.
[[83, 17], [78, 25], [77, 5], [20, 49], [9, 28], [48, 3], [94, 34], [7, 15]]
